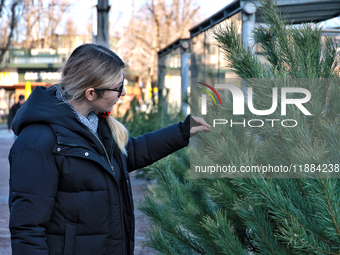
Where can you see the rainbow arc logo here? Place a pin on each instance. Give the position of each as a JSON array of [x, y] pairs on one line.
[[204, 97]]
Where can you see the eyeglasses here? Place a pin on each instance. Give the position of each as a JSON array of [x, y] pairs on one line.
[[119, 90]]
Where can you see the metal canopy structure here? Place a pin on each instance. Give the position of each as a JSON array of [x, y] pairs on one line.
[[205, 58], [312, 11], [216, 18], [298, 11], [174, 45]]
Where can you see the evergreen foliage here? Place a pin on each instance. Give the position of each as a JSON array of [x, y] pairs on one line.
[[260, 215], [140, 122]]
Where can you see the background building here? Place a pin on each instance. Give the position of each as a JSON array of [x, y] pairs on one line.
[[206, 59], [41, 67]]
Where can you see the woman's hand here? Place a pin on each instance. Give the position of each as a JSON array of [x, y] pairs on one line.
[[200, 125]]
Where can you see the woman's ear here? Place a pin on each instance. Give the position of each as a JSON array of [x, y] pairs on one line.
[[91, 94]]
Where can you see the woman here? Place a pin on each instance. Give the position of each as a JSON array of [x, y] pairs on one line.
[[70, 191]]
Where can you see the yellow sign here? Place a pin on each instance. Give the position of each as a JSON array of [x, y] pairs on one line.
[[28, 90], [8, 78]]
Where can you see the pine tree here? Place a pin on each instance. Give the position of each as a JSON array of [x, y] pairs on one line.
[[260, 215]]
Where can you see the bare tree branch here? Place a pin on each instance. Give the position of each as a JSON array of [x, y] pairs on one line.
[[157, 23], [2, 4], [13, 24]]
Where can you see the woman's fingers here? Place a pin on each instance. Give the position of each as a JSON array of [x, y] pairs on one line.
[[194, 130], [197, 128], [201, 121]]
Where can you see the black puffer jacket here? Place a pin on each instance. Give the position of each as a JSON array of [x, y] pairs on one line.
[[64, 198]]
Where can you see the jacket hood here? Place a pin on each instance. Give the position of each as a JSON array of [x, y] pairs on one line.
[[43, 107]]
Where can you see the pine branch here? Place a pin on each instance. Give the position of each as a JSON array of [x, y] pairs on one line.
[[265, 216], [297, 238], [288, 158], [264, 192], [330, 60], [222, 194], [164, 244], [242, 61], [176, 200], [156, 240], [260, 227], [277, 26], [331, 209], [270, 50], [156, 214], [222, 235]]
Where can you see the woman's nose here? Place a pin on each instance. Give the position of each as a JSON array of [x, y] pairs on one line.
[[124, 92]]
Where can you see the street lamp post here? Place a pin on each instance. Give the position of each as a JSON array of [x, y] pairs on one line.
[[103, 9]]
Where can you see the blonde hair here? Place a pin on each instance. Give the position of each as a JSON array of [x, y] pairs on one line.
[[93, 66]]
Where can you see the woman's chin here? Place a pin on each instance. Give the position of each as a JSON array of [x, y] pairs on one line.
[[110, 109], [113, 106]]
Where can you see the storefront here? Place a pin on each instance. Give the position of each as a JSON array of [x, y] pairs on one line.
[[22, 70]]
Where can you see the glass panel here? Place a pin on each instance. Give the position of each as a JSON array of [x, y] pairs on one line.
[[170, 79], [207, 61], [197, 54]]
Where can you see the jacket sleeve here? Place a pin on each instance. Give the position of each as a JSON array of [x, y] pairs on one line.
[[150, 147], [34, 180]]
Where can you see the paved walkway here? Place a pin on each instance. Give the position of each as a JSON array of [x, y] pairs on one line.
[[139, 188], [6, 140]]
